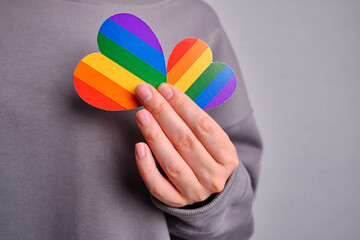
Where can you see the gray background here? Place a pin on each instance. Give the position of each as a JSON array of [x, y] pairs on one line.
[[301, 63]]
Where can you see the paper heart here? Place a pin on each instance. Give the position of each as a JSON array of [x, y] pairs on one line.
[[131, 54], [190, 69]]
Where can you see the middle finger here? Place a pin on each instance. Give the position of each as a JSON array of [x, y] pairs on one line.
[[180, 135]]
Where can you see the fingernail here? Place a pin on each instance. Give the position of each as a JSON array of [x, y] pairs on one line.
[[140, 150], [165, 90], [143, 92], [143, 118]]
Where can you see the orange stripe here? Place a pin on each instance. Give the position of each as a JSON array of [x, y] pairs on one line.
[[106, 86], [186, 61], [94, 97], [179, 51]]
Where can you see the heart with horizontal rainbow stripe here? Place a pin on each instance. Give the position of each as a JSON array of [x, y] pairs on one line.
[[130, 54]]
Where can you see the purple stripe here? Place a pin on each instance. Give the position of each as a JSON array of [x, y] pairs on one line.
[[224, 94], [138, 27]]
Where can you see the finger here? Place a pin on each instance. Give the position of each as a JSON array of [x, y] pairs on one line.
[[210, 134], [179, 173], [180, 135], [158, 186]]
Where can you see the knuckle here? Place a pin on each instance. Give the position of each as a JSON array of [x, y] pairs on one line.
[[162, 196], [199, 196], [153, 136], [146, 172], [158, 109], [217, 185], [205, 126], [230, 157], [156, 191], [185, 140], [173, 170], [233, 161], [177, 204], [179, 104]]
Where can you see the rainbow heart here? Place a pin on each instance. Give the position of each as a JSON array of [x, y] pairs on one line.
[[131, 54]]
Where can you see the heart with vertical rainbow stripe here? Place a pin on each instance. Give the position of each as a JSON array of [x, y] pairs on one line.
[[130, 54]]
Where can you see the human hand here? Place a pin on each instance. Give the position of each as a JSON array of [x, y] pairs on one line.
[[195, 153]]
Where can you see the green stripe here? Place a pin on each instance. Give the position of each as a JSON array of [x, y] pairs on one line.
[[204, 80], [130, 62]]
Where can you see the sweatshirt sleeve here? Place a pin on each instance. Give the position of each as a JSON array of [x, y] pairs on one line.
[[228, 214]]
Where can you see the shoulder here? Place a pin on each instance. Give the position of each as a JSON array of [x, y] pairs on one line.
[[197, 11], [199, 4]]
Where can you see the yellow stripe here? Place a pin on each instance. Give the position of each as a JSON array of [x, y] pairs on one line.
[[113, 71], [185, 62], [194, 71]]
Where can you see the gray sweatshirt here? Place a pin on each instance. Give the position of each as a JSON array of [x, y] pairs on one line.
[[67, 169]]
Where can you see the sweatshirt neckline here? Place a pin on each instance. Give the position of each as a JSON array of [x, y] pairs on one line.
[[130, 3]]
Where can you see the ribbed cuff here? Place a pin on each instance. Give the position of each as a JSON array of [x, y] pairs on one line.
[[213, 205]]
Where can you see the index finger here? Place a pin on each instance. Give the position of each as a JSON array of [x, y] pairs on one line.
[[206, 129]]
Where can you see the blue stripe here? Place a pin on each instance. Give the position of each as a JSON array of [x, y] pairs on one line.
[[134, 45], [214, 87]]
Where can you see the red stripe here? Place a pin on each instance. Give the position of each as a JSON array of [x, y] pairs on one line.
[[179, 51], [94, 97]]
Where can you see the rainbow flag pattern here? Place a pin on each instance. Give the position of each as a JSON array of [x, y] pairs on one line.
[[130, 54], [190, 69]]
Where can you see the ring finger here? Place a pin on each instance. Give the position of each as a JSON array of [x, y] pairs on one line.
[[179, 173]]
